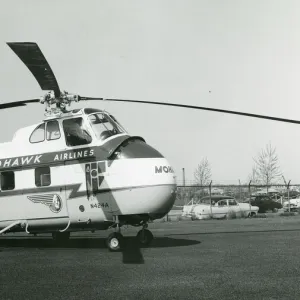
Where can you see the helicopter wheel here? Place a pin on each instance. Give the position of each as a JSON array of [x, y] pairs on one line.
[[115, 241], [60, 237], [144, 237]]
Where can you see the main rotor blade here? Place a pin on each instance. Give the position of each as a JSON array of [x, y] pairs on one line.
[[199, 108], [18, 103], [33, 58]]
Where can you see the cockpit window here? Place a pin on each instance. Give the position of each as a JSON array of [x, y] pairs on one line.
[[75, 132], [103, 126], [52, 132], [38, 135], [117, 123]]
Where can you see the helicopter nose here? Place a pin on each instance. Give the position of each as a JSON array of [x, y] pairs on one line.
[[147, 176]]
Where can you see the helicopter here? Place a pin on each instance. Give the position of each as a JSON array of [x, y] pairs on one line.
[[80, 170]]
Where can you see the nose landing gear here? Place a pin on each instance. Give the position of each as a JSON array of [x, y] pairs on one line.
[[115, 240], [144, 236]]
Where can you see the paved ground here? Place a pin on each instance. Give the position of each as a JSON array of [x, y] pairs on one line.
[[229, 259]]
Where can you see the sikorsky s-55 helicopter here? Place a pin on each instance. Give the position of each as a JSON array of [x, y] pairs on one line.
[[80, 169]]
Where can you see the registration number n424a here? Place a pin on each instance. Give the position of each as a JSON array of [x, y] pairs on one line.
[[99, 205]]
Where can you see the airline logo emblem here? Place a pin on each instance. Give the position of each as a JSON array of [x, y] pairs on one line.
[[53, 201]]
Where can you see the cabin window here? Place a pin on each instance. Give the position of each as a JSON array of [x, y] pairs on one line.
[[7, 180], [52, 131], [38, 135], [42, 176], [75, 132], [103, 126]]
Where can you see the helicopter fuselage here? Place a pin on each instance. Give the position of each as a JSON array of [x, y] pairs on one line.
[[53, 177]]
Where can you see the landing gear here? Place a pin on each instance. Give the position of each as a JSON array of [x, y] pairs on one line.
[[60, 237], [144, 236], [115, 240]]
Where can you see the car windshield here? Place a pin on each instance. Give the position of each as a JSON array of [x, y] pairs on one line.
[[104, 126]]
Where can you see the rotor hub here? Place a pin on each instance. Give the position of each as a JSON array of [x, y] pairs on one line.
[[60, 102]]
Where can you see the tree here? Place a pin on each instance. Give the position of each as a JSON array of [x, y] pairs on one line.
[[267, 166], [254, 175], [202, 173]]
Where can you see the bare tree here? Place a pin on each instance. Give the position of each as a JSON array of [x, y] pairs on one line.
[[254, 175], [267, 166], [202, 173]]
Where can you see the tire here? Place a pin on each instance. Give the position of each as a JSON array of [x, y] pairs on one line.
[[114, 242], [251, 215], [144, 237]]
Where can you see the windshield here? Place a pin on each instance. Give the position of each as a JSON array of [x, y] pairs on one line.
[[104, 126]]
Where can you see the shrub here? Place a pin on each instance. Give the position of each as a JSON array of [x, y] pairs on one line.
[[260, 216], [231, 215], [244, 214], [287, 214]]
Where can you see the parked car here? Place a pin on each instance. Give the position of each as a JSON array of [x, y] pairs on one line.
[[293, 202], [291, 194], [222, 206], [293, 207], [188, 208], [265, 203]]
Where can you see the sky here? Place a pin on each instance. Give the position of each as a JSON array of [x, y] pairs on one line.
[[247, 53]]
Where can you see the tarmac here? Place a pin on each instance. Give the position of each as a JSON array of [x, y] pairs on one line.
[[215, 259]]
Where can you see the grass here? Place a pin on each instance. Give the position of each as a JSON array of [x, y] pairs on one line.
[[288, 214], [176, 217]]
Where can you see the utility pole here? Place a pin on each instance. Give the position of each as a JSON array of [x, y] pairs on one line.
[[183, 183], [288, 191], [249, 191], [210, 198]]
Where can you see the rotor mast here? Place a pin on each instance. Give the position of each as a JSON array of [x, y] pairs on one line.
[[60, 102]]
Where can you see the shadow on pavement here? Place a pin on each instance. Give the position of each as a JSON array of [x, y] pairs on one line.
[[89, 243], [131, 253]]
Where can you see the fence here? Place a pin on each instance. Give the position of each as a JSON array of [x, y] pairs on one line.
[[241, 192]]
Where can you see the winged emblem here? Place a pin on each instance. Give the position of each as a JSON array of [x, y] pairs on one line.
[[53, 201]]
